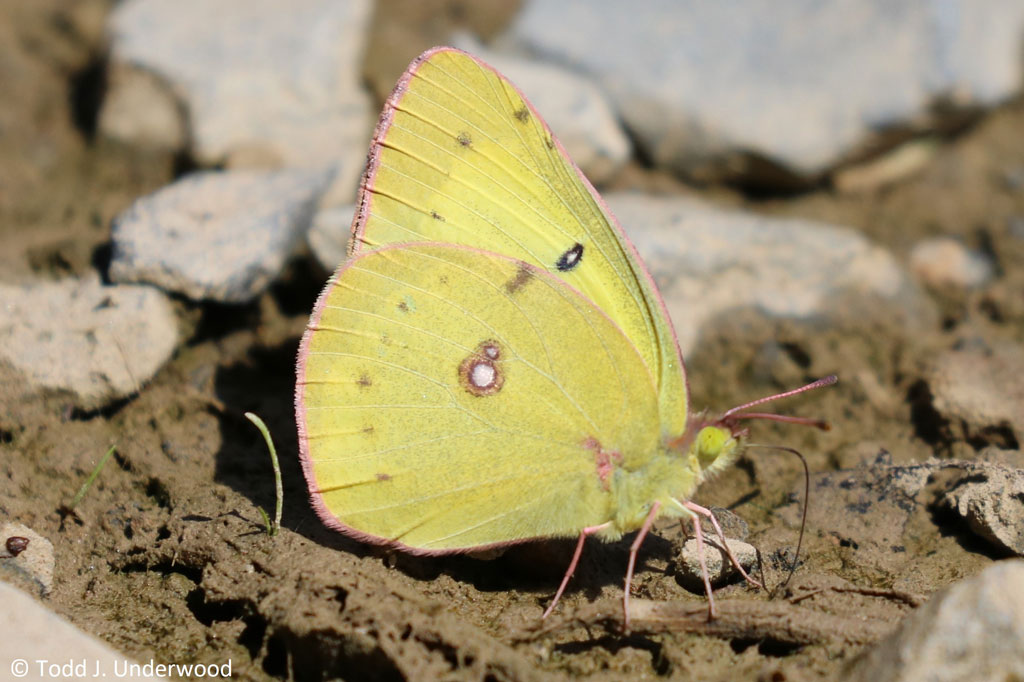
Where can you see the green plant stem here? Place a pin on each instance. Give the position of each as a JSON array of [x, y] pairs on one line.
[[278, 488], [92, 477]]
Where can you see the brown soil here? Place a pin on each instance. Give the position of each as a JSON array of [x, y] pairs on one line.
[[166, 556]]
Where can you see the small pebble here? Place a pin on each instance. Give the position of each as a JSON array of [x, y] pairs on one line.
[[720, 568], [29, 558], [944, 261], [894, 166], [16, 544]]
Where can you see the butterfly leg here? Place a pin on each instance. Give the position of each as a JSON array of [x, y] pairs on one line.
[[703, 564], [721, 536], [589, 530], [648, 522]]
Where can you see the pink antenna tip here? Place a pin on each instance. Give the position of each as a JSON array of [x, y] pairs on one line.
[[824, 381]]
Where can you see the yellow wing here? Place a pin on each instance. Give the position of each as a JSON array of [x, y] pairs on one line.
[[460, 156], [450, 398]]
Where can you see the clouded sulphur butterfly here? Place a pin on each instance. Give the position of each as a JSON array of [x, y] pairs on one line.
[[493, 363]]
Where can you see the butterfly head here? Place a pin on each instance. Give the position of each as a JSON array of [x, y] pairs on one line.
[[718, 442], [715, 447]]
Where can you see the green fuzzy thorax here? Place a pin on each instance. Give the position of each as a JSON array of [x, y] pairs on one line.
[[669, 477]]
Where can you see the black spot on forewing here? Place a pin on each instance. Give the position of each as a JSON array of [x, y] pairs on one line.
[[522, 114], [364, 381], [464, 139], [436, 216], [571, 258]]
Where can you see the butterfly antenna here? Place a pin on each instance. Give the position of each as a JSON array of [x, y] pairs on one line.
[[788, 419], [803, 516], [825, 381]]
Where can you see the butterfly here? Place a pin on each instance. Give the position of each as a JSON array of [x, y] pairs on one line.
[[492, 363]]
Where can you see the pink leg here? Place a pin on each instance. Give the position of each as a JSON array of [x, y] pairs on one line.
[[632, 560], [589, 530], [721, 536], [703, 566]]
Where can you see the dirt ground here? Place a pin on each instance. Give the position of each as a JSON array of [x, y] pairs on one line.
[[166, 557]]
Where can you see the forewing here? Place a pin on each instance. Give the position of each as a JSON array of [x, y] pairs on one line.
[[461, 156]]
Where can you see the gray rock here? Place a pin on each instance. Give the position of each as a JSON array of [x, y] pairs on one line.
[[720, 569], [32, 559], [980, 387], [973, 630], [943, 261], [35, 639], [707, 261], [98, 343], [258, 83], [575, 109], [221, 235], [716, 89], [990, 498], [141, 108]]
